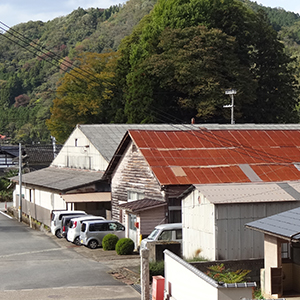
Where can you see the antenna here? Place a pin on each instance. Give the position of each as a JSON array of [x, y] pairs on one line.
[[231, 92]]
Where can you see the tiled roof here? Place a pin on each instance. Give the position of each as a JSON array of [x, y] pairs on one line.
[[285, 224], [220, 156], [60, 179], [142, 204]]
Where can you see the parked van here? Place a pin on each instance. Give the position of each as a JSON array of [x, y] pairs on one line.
[[73, 234], [92, 232], [65, 223], [56, 217], [164, 232]]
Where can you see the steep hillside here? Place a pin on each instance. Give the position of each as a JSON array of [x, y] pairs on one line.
[[35, 55]]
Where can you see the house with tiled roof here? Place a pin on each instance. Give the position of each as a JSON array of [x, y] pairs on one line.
[[151, 169]]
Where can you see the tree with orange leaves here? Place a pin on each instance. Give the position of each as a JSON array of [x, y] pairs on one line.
[[84, 94]]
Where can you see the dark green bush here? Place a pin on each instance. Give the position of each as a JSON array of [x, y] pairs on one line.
[[124, 246], [109, 242], [156, 268]]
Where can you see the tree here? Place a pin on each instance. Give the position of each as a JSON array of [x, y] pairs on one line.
[[196, 65], [84, 94], [260, 64]]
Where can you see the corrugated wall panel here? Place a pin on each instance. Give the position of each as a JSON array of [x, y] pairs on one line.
[[234, 241]]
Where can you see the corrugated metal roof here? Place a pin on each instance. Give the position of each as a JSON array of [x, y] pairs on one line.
[[250, 192], [285, 224], [107, 137], [142, 204], [220, 156], [60, 179]]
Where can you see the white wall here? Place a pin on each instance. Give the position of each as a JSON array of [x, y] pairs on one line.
[[42, 198], [182, 284], [78, 152], [219, 230], [198, 229], [183, 281]]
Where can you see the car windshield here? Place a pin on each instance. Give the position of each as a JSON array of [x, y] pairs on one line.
[[153, 234]]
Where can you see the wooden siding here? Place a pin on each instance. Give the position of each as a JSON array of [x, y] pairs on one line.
[[151, 218], [133, 174]]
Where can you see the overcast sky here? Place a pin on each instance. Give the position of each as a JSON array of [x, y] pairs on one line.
[[13, 12]]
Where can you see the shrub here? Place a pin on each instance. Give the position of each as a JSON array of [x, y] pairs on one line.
[[219, 273], [109, 242], [124, 246], [156, 268]]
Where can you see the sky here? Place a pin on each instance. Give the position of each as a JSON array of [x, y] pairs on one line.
[[13, 12]]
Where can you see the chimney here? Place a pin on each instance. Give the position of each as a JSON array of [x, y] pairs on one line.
[[193, 121]]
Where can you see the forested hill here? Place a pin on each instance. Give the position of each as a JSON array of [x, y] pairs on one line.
[[34, 56]]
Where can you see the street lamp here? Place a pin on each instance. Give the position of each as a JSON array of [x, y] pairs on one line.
[[231, 92]]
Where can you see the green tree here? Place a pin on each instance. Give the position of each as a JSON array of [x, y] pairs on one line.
[[252, 35]]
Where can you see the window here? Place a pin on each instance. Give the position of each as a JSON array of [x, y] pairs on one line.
[[178, 234], [285, 250], [165, 235], [133, 196], [76, 140]]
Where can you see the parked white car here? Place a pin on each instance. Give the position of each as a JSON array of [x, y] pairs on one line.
[[164, 232], [56, 217], [73, 234], [92, 232]]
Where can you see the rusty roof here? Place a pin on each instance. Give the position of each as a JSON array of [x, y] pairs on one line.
[[142, 204], [220, 156]]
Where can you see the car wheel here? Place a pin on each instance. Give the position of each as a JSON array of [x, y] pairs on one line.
[[77, 241], [58, 233], [93, 244]]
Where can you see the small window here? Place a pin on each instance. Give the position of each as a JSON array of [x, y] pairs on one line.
[[133, 196], [178, 234], [165, 235], [83, 227], [112, 226], [285, 250], [76, 140]]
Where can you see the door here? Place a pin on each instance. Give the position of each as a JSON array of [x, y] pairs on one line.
[[132, 232]]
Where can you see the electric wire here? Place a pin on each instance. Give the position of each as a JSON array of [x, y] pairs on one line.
[[76, 69]]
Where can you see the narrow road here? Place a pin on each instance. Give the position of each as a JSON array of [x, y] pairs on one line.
[[34, 266]]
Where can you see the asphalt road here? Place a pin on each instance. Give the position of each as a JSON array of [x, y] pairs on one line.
[[34, 266]]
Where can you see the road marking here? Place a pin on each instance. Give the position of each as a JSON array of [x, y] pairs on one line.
[[30, 252], [6, 215]]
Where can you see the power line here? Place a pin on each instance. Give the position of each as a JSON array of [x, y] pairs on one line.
[[42, 49]]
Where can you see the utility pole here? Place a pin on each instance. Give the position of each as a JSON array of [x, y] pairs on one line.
[[231, 93], [20, 182], [54, 146]]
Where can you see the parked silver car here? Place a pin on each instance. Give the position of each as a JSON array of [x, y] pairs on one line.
[[73, 234], [92, 232]]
